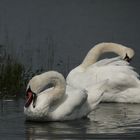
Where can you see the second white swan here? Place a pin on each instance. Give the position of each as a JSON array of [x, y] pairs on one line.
[[123, 86]]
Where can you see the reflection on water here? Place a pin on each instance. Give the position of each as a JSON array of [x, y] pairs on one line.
[[108, 121]]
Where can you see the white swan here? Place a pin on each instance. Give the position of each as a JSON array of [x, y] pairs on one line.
[[124, 85], [60, 102]]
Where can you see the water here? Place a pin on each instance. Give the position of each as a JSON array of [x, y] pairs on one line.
[[109, 121]]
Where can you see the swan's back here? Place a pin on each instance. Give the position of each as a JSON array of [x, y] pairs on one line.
[[116, 70]]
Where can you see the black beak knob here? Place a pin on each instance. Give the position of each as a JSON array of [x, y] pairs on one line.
[[126, 58]]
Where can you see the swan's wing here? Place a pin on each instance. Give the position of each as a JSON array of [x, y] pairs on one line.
[[75, 98], [118, 71], [120, 77], [118, 63], [95, 93], [100, 71]]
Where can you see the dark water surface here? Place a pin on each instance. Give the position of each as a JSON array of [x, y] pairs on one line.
[[109, 121]]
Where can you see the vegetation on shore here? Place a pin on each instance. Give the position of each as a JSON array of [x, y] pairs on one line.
[[13, 77]]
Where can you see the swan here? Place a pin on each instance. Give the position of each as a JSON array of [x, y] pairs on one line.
[[123, 82], [48, 98]]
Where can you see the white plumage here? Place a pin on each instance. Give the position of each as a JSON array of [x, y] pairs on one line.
[[60, 102], [123, 83]]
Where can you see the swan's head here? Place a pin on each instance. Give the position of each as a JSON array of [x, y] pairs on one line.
[[128, 53], [31, 95], [40, 87], [36, 86]]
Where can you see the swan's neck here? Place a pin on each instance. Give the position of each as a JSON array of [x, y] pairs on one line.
[[59, 88], [94, 54], [58, 82]]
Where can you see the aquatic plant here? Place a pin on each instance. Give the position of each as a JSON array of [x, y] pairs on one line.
[[13, 76]]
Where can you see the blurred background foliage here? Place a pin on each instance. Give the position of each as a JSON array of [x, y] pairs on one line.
[[13, 76]]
